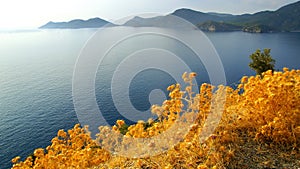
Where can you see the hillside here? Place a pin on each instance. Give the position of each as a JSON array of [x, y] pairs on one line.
[[286, 18], [197, 17], [76, 24], [159, 21], [213, 26]]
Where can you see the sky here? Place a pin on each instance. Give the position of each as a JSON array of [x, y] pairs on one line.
[[34, 13]]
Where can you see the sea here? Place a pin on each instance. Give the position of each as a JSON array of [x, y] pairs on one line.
[[37, 69]]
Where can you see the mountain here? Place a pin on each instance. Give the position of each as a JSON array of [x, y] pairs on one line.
[[204, 21], [220, 14], [196, 17], [167, 21], [286, 18], [213, 26], [159, 21], [77, 23]]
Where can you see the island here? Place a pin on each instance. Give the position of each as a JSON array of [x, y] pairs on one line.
[[285, 19], [77, 24]]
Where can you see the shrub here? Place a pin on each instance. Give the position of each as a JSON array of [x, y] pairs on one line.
[[267, 112], [262, 62]]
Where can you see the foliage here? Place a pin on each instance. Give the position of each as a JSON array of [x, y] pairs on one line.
[[266, 115], [262, 62], [284, 19], [271, 106], [214, 26], [68, 150]]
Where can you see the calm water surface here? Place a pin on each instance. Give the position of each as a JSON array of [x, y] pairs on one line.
[[36, 69]]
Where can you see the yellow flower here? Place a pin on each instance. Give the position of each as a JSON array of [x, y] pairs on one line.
[[184, 75], [244, 79], [39, 152], [16, 159], [170, 88], [120, 123], [192, 75], [268, 106], [62, 133]]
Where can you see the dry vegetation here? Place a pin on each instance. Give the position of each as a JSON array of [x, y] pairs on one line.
[[258, 127]]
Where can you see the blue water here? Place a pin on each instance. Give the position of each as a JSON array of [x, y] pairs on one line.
[[36, 69]]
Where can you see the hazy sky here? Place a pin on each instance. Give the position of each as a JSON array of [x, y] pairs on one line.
[[34, 13]]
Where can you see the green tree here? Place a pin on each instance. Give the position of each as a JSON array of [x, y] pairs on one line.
[[262, 61]]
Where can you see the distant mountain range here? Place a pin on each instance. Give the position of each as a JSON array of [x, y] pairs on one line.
[[286, 18], [77, 23]]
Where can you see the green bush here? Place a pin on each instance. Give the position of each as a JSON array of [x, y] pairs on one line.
[[261, 62]]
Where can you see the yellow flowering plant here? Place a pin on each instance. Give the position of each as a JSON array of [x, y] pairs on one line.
[[257, 119]]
